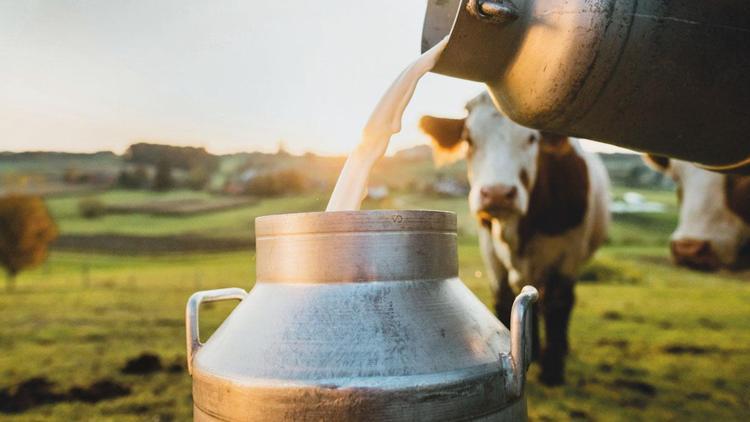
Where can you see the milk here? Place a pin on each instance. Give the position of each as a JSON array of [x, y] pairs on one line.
[[384, 122]]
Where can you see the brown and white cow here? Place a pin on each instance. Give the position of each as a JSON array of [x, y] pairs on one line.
[[714, 225], [542, 207]]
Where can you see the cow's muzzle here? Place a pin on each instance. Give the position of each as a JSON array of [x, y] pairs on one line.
[[497, 201], [695, 253]]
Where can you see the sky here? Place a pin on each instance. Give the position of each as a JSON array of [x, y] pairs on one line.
[[230, 76]]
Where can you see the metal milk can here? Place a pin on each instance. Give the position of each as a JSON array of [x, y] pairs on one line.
[[359, 316], [669, 77]]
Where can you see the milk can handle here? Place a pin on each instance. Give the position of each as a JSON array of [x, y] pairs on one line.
[[191, 316], [520, 336]]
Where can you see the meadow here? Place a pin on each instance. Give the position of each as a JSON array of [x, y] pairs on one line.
[[649, 341]]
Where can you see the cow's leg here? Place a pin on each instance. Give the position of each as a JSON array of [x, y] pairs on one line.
[[535, 343], [504, 297], [556, 304], [498, 276]]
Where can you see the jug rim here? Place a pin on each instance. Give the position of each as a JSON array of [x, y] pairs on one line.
[[356, 222]]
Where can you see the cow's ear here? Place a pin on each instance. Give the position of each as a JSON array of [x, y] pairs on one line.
[[657, 162], [447, 137], [737, 190]]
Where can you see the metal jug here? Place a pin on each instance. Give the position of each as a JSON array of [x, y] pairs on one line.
[[359, 316], [667, 77]]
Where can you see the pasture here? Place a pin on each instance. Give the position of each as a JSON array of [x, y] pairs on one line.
[[234, 222], [649, 341]]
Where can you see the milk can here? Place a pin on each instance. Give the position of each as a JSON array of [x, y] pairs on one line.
[[669, 77], [359, 316]]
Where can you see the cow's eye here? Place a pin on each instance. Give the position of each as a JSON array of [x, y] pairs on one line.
[[532, 139]]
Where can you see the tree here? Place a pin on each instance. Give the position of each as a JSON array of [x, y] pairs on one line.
[[26, 230], [198, 178], [183, 158], [163, 180], [275, 184], [91, 208], [133, 179]]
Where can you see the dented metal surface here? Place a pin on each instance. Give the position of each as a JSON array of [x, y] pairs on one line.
[[372, 338], [652, 75]]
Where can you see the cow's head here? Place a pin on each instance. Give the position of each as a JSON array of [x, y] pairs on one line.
[[714, 224], [501, 157]]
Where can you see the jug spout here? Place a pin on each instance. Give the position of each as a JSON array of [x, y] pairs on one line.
[[520, 339]]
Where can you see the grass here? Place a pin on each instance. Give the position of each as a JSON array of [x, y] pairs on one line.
[[649, 341], [75, 328], [229, 223], [633, 229]]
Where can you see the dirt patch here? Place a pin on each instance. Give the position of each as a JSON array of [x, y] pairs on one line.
[[689, 349], [637, 386], [699, 396], [634, 402], [30, 393], [617, 316], [578, 415], [605, 367], [710, 324], [634, 372], [666, 325], [104, 389], [145, 363], [617, 343], [612, 315], [176, 367], [39, 391], [95, 338]]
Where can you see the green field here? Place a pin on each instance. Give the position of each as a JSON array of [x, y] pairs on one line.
[[230, 223], [649, 341]]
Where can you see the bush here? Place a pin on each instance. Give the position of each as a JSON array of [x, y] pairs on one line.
[[133, 179], [163, 180], [276, 184], [198, 178], [74, 176], [91, 208], [26, 230]]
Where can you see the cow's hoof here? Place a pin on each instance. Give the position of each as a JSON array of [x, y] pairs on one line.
[[552, 379]]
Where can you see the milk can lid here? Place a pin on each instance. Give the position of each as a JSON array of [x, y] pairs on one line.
[[355, 222]]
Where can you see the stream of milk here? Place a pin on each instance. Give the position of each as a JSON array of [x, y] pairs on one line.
[[384, 122]]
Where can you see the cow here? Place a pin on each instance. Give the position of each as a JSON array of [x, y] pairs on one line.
[[713, 231], [542, 207]]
